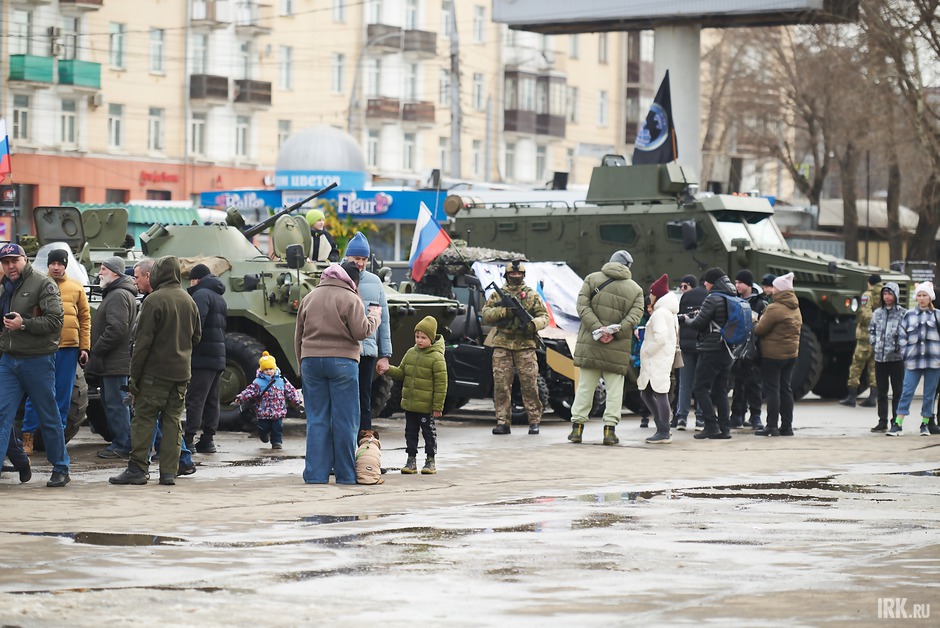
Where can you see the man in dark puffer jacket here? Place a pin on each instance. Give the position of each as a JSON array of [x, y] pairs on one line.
[[714, 359], [208, 362]]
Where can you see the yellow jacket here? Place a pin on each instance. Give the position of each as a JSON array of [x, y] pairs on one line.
[[76, 328]]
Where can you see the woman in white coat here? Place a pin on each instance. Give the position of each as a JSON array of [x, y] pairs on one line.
[[657, 357]]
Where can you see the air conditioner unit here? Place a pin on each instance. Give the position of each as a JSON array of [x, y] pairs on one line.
[[56, 49], [96, 100]]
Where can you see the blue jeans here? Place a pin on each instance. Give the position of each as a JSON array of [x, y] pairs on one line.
[[36, 377], [65, 363], [686, 385], [911, 379], [186, 456], [117, 414], [331, 399], [274, 427]]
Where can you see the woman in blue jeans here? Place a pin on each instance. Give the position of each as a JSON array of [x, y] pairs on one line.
[[330, 324], [919, 340]]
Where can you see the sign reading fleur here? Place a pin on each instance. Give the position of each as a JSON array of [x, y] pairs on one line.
[[352, 204]]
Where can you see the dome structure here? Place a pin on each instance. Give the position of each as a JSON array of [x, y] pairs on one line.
[[321, 148]]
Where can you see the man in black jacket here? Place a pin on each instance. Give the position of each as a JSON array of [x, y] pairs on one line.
[[689, 304], [714, 356], [208, 362], [746, 372]]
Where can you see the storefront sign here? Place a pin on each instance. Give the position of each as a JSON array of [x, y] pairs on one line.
[[317, 179], [157, 177], [363, 205], [241, 199]]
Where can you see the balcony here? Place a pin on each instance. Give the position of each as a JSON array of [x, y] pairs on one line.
[[423, 43], [80, 73], [418, 112], [383, 37], [252, 18], [518, 121], [383, 109], [31, 69], [81, 5], [208, 87], [256, 93], [211, 13], [548, 124]]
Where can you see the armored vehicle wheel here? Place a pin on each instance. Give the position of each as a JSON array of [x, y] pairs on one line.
[[519, 415], [562, 405], [241, 363], [381, 392], [452, 404], [393, 404], [833, 380], [808, 369]]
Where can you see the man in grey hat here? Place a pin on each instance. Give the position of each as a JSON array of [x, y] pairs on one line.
[[110, 357]]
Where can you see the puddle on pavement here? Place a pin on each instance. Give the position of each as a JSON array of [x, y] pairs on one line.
[[262, 462], [319, 520], [928, 472], [112, 540]]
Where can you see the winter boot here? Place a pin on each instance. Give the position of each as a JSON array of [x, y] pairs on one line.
[[28, 443], [850, 399], [645, 422], [577, 430], [610, 435], [724, 429], [411, 467], [167, 479], [872, 399], [429, 468], [205, 445], [131, 475], [709, 430], [502, 428], [737, 421], [755, 421], [770, 430], [881, 427], [932, 425], [534, 428]]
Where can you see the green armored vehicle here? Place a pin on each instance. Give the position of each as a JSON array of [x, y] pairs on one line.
[[652, 211]]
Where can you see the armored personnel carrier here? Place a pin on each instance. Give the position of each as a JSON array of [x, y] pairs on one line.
[[653, 211]]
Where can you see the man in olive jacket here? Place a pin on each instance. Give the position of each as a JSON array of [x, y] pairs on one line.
[[32, 327], [607, 297], [167, 328]]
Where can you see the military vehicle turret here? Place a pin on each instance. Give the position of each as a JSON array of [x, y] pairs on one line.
[[654, 212]]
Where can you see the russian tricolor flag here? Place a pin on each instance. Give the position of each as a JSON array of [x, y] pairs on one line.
[[429, 241], [6, 167]]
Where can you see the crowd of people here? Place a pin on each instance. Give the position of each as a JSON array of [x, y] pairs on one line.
[[166, 354]]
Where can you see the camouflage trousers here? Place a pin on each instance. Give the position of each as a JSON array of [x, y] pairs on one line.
[[506, 363], [864, 358], [158, 397]]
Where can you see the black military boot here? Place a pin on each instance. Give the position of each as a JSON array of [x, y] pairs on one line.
[[502, 428], [577, 430], [872, 399], [724, 429], [881, 427], [131, 475], [205, 445], [711, 430], [932, 425], [850, 399]]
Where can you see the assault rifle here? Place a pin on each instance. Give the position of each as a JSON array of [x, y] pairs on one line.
[[522, 316]]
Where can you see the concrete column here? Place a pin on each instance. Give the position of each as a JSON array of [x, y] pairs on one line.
[[678, 49]]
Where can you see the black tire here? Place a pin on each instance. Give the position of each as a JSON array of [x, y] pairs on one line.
[[519, 415], [452, 404], [242, 353], [809, 364], [381, 393], [393, 405], [833, 380], [562, 405]]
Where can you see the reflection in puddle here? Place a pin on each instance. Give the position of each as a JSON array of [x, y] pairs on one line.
[[928, 472], [318, 520], [110, 539], [262, 462]]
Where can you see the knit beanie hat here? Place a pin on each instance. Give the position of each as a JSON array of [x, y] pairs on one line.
[[267, 361], [745, 276], [712, 275], [768, 279], [114, 264], [691, 280], [199, 271], [660, 287], [874, 279], [428, 325], [358, 246], [352, 270], [59, 255], [927, 287], [314, 215], [622, 257], [784, 282]]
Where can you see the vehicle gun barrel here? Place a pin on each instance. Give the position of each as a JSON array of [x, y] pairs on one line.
[[270, 220]]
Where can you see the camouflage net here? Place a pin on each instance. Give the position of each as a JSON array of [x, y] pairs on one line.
[[455, 261]]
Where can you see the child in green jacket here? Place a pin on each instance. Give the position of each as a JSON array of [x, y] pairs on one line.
[[424, 385]]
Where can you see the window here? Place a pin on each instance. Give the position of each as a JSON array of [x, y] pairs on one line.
[[443, 154], [339, 10], [477, 157], [573, 46], [445, 18], [571, 104], [116, 196], [540, 160], [373, 12], [115, 126], [158, 195], [373, 77], [287, 7], [411, 82], [510, 161], [71, 27], [478, 91], [444, 95], [372, 149], [67, 118], [602, 48], [527, 93], [408, 152], [20, 117], [285, 67], [602, 108], [242, 126], [479, 24], [569, 161], [197, 133], [618, 234], [283, 132], [339, 61], [200, 59], [243, 67], [116, 45], [156, 49], [541, 97], [68, 194], [21, 31], [411, 14], [155, 129]]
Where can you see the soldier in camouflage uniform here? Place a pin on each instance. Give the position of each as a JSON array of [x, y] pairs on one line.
[[514, 347], [864, 357]]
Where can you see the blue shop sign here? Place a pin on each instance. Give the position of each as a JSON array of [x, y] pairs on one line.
[[371, 204], [242, 199], [317, 179]]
